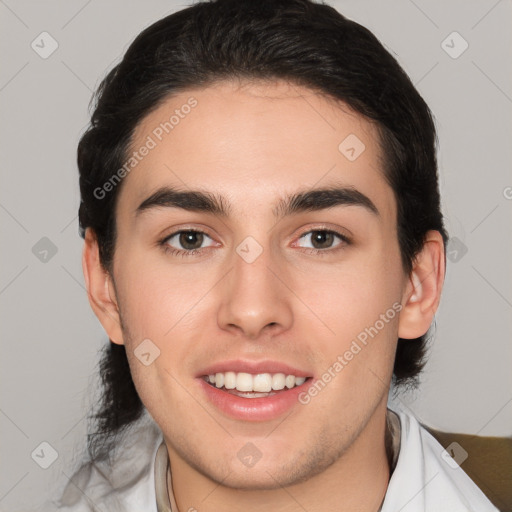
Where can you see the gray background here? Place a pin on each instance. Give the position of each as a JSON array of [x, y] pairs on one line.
[[50, 337]]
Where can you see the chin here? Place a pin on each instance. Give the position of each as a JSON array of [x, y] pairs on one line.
[[266, 475]]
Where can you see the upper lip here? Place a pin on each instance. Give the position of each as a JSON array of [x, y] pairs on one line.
[[253, 367]]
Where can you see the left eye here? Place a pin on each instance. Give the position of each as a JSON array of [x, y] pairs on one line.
[[323, 239]]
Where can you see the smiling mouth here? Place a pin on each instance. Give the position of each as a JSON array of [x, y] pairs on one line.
[[247, 385]]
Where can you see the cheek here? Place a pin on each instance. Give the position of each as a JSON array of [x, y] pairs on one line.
[[155, 296], [161, 303], [156, 303], [357, 306], [356, 353], [351, 297]]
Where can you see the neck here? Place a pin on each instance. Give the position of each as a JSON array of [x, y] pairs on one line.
[[357, 481]]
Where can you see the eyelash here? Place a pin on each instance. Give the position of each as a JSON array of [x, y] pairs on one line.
[[320, 252]]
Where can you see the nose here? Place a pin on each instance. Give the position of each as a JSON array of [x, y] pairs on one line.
[[255, 298]]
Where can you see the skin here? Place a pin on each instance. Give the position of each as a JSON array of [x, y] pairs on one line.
[[255, 143]]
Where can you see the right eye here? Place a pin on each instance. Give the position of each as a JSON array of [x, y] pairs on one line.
[[190, 241]]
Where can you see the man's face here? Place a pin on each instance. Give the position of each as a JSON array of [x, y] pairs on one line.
[[252, 296]]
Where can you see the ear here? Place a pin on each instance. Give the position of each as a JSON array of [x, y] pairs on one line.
[[100, 289], [423, 290]]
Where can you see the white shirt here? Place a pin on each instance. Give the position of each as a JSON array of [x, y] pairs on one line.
[[422, 480]]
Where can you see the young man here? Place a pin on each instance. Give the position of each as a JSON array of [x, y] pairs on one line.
[[265, 249]]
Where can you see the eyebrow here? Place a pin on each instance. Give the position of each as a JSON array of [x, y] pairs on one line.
[[302, 201]]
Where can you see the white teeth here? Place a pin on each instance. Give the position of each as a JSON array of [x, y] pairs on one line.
[[244, 382], [278, 381], [230, 380], [260, 383], [290, 381]]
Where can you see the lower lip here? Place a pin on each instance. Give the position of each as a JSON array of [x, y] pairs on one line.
[[253, 409]]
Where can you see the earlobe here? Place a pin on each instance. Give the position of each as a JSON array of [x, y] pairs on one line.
[[423, 291], [100, 289]]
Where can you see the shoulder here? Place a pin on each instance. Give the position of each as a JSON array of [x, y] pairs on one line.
[[427, 478], [125, 484]]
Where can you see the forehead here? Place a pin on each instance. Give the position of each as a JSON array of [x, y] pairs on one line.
[[253, 141]]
